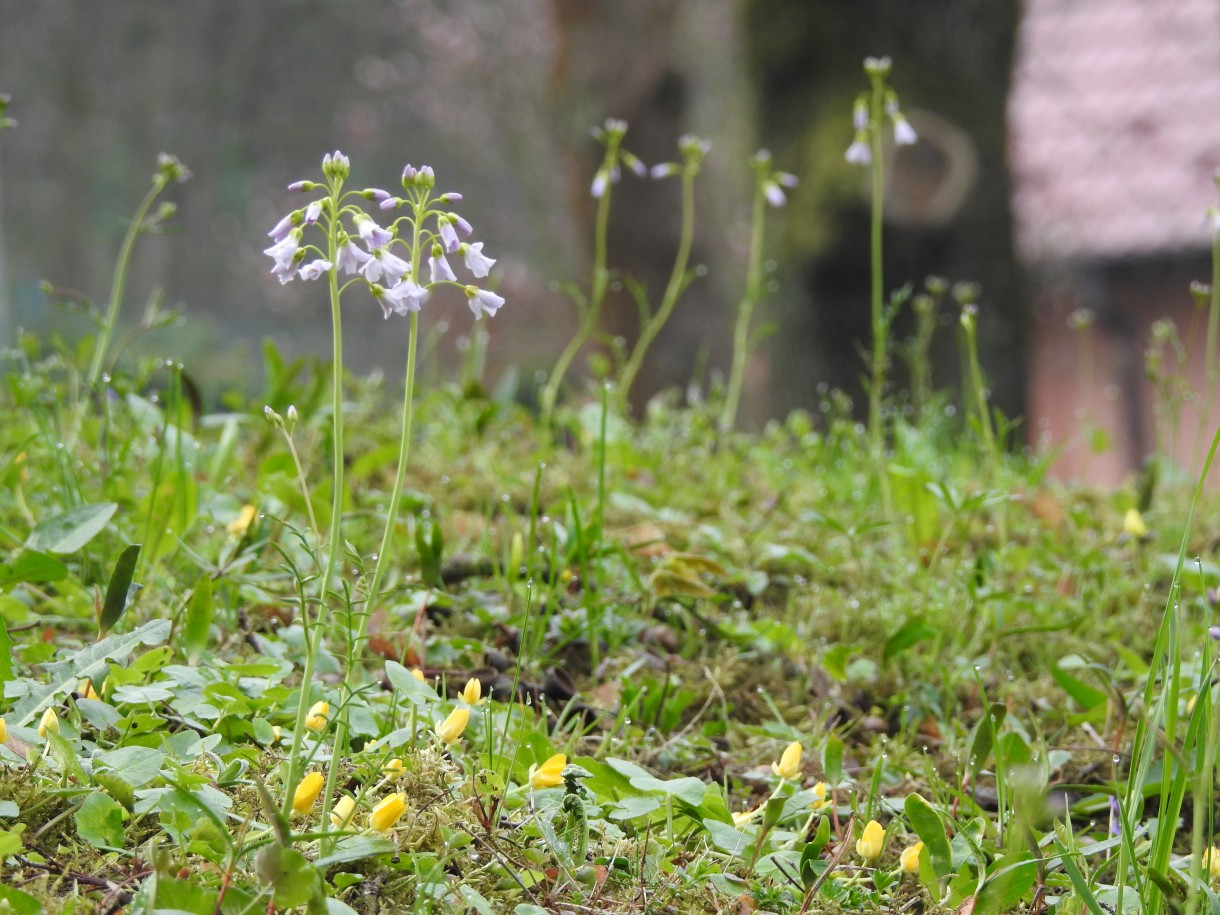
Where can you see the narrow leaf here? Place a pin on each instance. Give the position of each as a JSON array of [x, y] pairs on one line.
[[198, 618], [70, 531], [119, 588]]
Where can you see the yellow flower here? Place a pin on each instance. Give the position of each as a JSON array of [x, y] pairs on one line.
[[550, 773], [49, 724], [3, 731], [450, 730], [239, 525], [388, 812], [1211, 862], [418, 674], [789, 765], [869, 845], [819, 801], [86, 689], [307, 792], [341, 815], [394, 768], [1133, 524], [910, 858], [472, 692], [276, 732], [316, 719], [742, 817]]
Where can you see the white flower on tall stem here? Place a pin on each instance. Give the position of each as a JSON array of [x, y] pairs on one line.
[[482, 302], [449, 237], [314, 269], [401, 298], [350, 257], [284, 253], [439, 268], [370, 233], [477, 262], [312, 212], [387, 264]]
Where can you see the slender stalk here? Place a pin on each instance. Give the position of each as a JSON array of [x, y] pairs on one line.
[[592, 310], [1212, 367], [745, 311], [677, 281], [335, 538], [876, 394]]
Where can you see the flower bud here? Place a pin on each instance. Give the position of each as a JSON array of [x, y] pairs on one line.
[[49, 724], [316, 719], [307, 792], [909, 859], [869, 844], [388, 812], [550, 773], [342, 812], [450, 730], [789, 765]]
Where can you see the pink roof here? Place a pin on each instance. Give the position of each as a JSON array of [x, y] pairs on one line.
[[1115, 126]]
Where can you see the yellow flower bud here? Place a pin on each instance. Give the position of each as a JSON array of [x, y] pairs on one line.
[[49, 723], [239, 525], [276, 733], [910, 858], [418, 674], [393, 768], [341, 815], [1211, 862], [819, 801], [1133, 524], [307, 792], [550, 773], [742, 817], [316, 719], [789, 765], [3, 731], [450, 730], [869, 845], [472, 692], [388, 812]]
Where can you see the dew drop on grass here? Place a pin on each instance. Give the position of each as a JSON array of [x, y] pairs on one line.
[[1117, 759], [372, 557]]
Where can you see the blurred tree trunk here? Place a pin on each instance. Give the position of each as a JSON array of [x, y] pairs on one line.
[[952, 64]]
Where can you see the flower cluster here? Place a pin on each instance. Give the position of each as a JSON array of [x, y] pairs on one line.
[[388, 260], [861, 152]]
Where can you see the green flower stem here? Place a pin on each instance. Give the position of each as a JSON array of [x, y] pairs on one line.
[[597, 294], [1212, 368], [677, 282], [745, 311], [335, 538], [876, 434]]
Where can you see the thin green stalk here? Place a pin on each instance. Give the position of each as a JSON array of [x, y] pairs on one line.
[[335, 537], [745, 311], [876, 434], [1212, 366], [589, 314], [677, 282]]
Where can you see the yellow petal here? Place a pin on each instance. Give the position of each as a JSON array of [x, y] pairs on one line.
[[550, 773], [869, 844], [49, 723], [472, 692], [307, 792], [450, 730], [341, 815], [242, 522], [909, 860], [388, 812], [316, 719], [1133, 524], [3, 731], [789, 765]]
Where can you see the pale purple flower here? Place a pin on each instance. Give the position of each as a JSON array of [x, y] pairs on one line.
[[787, 179], [372, 234], [450, 197], [284, 254], [774, 194], [482, 302], [477, 262], [390, 203], [312, 212], [859, 115], [440, 269], [376, 193], [282, 228], [859, 152], [664, 170], [634, 163], [402, 298], [904, 133], [336, 162], [384, 263], [301, 186], [314, 269], [600, 181], [448, 234], [351, 257], [409, 172], [462, 225]]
